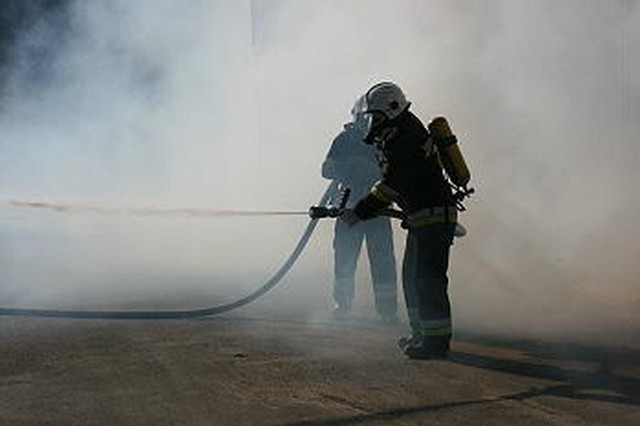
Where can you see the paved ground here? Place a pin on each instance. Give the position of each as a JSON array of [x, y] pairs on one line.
[[251, 368]]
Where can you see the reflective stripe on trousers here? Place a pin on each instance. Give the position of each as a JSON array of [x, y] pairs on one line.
[[425, 280]]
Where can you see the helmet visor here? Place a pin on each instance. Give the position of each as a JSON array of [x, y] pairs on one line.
[[373, 122]]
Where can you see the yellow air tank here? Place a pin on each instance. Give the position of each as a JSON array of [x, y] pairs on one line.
[[449, 152]]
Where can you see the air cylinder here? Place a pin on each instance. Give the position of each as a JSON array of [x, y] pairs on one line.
[[449, 152]]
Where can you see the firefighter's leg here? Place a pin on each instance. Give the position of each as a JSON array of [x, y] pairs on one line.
[[347, 243], [409, 273], [426, 290], [382, 260]]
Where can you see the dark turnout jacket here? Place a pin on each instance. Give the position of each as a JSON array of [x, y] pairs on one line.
[[412, 176]]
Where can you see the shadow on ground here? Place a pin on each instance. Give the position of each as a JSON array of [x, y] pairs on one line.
[[601, 384]]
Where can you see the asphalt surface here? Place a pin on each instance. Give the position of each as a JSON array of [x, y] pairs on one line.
[[252, 368]]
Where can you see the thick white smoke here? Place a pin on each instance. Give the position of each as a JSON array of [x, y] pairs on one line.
[[233, 104]]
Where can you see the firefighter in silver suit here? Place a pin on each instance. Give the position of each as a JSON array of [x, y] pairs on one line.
[[354, 165]]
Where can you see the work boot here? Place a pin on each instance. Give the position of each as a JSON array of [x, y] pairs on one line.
[[410, 340], [417, 346]]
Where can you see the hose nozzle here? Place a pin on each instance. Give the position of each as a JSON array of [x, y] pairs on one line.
[[320, 212]]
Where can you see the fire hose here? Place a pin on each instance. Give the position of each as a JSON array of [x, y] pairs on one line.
[[315, 213], [323, 210]]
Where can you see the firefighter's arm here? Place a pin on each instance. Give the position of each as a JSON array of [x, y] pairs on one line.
[[332, 169], [350, 169], [380, 197], [334, 166], [343, 161], [367, 208]]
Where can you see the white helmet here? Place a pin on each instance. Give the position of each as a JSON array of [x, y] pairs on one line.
[[358, 108], [358, 119], [387, 98], [383, 102]]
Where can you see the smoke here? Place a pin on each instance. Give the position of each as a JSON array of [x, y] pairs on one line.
[[230, 104], [558, 172]]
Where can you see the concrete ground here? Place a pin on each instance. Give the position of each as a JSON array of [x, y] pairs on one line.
[[252, 368]]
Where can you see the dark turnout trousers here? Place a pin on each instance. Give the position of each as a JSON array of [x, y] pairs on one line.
[[425, 281]]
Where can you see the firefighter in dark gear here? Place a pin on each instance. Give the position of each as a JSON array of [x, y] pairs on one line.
[[413, 179], [354, 165]]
